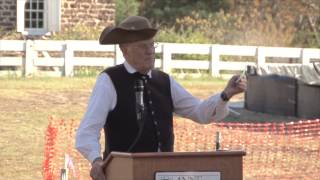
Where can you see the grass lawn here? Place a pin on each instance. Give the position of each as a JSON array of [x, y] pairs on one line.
[[26, 104]]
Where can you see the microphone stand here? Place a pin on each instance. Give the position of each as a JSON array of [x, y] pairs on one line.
[[140, 120], [141, 125]]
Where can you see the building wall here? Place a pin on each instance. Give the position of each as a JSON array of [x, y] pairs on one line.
[[93, 13], [8, 13]]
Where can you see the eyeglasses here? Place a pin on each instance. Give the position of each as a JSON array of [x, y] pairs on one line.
[[145, 45]]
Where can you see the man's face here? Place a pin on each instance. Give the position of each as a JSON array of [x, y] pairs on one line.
[[140, 55]]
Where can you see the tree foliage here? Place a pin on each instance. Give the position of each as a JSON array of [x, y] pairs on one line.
[[250, 22], [244, 22], [166, 12], [125, 8]]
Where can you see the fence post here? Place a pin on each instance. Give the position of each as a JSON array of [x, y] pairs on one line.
[[118, 55], [29, 58], [68, 58], [261, 60], [215, 60], [305, 57], [166, 58]]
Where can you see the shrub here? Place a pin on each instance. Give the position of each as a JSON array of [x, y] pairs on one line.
[[125, 8], [9, 34], [78, 32]]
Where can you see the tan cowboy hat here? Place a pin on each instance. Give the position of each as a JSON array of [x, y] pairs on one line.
[[132, 29]]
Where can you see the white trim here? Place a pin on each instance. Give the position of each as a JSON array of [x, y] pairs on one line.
[[54, 15], [20, 15], [35, 32]]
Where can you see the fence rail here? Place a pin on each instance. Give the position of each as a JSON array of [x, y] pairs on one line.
[[31, 54]]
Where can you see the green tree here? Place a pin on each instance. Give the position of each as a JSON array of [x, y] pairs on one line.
[[165, 12], [125, 8], [259, 22]]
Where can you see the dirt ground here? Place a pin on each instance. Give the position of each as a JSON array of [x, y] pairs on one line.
[[26, 105]]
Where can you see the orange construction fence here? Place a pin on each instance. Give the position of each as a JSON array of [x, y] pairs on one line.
[[274, 150]]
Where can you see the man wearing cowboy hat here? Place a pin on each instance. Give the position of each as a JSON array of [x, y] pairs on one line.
[[113, 103]]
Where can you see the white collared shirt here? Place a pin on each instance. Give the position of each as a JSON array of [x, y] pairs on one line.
[[104, 99]]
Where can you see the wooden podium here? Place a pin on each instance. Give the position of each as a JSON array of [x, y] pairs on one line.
[[145, 166]]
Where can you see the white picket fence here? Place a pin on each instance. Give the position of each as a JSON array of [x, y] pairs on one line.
[[32, 54]]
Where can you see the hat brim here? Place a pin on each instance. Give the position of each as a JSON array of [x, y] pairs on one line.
[[115, 35]]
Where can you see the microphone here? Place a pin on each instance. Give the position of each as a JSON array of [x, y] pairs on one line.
[[138, 88]]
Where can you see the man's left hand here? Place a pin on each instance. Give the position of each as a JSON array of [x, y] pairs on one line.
[[96, 172]]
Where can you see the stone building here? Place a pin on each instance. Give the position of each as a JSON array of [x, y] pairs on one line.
[[40, 17]]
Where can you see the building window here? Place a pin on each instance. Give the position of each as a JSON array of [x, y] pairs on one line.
[[34, 14], [38, 17]]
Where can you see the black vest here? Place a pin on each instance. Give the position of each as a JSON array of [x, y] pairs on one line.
[[121, 127]]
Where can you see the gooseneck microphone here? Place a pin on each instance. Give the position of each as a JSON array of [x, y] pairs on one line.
[[138, 88]]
